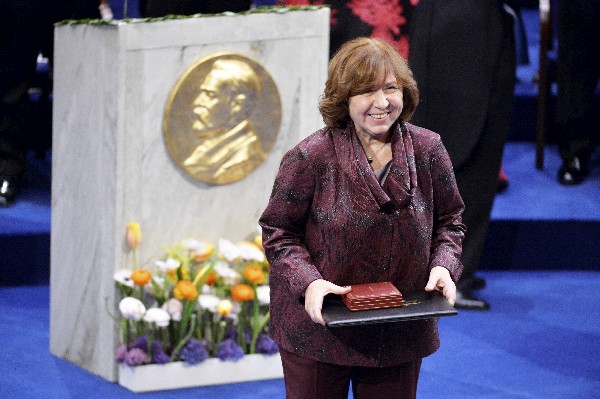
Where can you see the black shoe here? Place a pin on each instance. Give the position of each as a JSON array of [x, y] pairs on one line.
[[478, 283], [8, 192], [466, 301], [573, 171]]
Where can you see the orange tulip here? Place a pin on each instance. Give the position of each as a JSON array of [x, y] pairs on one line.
[[141, 276], [212, 277], [185, 289], [134, 234], [254, 274], [242, 292]]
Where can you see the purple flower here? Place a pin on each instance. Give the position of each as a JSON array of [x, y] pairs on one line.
[[248, 336], [194, 352], [121, 353], [264, 344], [231, 333], [158, 354], [136, 356], [229, 350], [141, 342]]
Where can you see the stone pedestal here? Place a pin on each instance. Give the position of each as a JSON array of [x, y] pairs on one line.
[[111, 166]]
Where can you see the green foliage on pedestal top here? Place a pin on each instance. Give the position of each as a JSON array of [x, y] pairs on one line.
[[257, 10]]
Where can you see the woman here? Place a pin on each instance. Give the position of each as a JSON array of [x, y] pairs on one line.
[[368, 198]]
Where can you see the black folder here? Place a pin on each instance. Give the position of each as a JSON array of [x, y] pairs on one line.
[[422, 305]]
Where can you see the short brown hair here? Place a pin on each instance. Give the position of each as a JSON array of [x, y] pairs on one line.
[[356, 69]]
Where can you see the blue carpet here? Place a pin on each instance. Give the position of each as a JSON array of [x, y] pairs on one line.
[[536, 194], [539, 340], [538, 223]]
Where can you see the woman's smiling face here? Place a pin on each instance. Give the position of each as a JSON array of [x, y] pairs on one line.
[[373, 113]]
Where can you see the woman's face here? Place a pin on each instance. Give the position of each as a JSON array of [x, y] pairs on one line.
[[375, 112]]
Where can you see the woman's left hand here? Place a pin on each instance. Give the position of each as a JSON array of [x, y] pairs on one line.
[[440, 280]]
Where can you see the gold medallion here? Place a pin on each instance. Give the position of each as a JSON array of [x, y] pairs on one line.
[[222, 118]]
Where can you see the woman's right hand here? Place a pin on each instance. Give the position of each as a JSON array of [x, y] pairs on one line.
[[314, 294]]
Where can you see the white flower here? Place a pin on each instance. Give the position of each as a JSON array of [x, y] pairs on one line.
[[229, 250], [263, 293], [221, 267], [207, 289], [168, 265], [158, 316], [132, 308], [208, 302], [237, 308], [229, 275], [123, 277], [174, 308], [191, 245], [250, 251], [158, 280]]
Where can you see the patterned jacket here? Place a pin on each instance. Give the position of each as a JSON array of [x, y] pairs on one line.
[[328, 217]]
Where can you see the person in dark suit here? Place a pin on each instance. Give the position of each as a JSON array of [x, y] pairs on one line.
[[26, 30], [462, 53], [368, 198], [578, 71]]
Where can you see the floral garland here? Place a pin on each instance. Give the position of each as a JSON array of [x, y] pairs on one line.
[[194, 302], [257, 10]]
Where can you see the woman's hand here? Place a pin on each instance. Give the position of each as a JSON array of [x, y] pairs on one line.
[[314, 294], [440, 280]]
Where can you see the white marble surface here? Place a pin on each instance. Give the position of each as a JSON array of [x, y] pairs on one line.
[[110, 164], [214, 371]]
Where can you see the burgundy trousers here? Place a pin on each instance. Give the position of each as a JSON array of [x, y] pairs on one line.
[[311, 379]]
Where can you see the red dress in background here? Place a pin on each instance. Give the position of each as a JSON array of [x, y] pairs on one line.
[[383, 19]]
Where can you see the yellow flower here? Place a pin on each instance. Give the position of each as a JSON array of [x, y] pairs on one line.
[[141, 276], [258, 241], [254, 273], [224, 307], [173, 274], [185, 289], [242, 292], [134, 234], [204, 251]]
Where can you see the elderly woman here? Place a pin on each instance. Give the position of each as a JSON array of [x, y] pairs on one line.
[[368, 198]]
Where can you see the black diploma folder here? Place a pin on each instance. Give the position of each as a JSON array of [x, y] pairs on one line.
[[417, 306]]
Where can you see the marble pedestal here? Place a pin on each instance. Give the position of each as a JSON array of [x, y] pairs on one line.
[[111, 166]]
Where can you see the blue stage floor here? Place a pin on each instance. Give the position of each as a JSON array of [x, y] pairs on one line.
[[535, 194]]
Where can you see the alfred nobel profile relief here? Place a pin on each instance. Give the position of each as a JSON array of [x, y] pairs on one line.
[[222, 118]]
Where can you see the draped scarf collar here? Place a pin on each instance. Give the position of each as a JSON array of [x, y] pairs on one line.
[[401, 182]]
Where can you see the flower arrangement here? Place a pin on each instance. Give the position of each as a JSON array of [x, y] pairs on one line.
[[194, 301]]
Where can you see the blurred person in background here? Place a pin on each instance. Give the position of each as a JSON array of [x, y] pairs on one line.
[[462, 53], [26, 31], [578, 71]]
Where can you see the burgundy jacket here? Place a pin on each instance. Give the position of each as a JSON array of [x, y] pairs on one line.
[[328, 217]]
